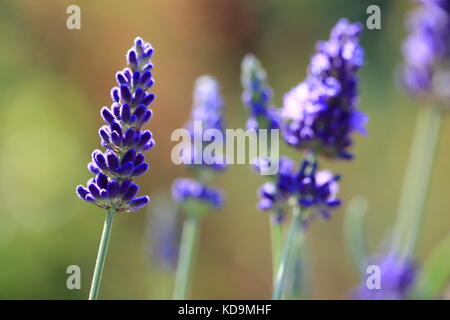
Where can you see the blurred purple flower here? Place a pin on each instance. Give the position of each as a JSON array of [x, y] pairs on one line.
[[193, 194], [184, 189], [320, 113], [426, 50], [396, 279], [257, 95], [311, 189], [123, 137], [207, 109]]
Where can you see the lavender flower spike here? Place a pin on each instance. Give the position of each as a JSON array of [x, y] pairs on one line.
[[314, 191], [206, 111], [257, 95], [113, 188], [426, 51], [123, 138], [194, 196], [320, 113]]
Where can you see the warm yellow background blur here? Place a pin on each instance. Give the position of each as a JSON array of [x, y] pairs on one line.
[[53, 82]]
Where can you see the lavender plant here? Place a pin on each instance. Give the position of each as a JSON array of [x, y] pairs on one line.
[[195, 197], [425, 75], [262, 115], [113, 187], [319, 116], [424, 71]]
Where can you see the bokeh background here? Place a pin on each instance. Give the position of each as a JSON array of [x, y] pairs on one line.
[[53, 82]]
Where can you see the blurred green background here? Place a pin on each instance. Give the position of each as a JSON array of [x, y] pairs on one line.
[[53, 82]]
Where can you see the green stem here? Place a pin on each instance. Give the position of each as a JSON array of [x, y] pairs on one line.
[[101, 256], [186, 258], [355, 233], [277, 244], [416, 181], [288, 249]]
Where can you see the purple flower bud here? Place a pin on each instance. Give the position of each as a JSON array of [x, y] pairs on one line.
[[132, 191], [103, 132], [148, 99], [112, 188], [140, 110], [147, 116], [94, 190], [130, 136], [93, 168], [132, 59], [125, 112], [116, 139], [125, 93], [107, 115], [139, 95], [138, 203], [99, 159], [120, 78], [115, 126], [126, 169], [135, 79], [115, 94], [139, 159], [130, 155], [146, 76], [140, 169], [115, 107], [113, 161], [82, 192], [124, 186], [101, 180]]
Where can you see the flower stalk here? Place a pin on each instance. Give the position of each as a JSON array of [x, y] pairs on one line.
[[276, 235], [101, 256], [186, 260], [288, 252], [415, 186]]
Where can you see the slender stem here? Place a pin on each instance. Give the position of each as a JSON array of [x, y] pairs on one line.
[[416, 181], [297, 278], [355, 233], [186, 258], [287, 253], [277, 244], [101, 256]]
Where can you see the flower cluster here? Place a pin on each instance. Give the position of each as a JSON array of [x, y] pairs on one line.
[[123, 137], [397, 277], [206, 114], [185, 189], [257, 95], [310, 189], [320, 113], [426, 50], [193, 194]]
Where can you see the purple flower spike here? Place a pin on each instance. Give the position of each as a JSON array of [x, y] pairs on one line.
[[112, 187], [184, 189], [314, 191], [257, 95], [426, 51], [320, 113], [194, 195]]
